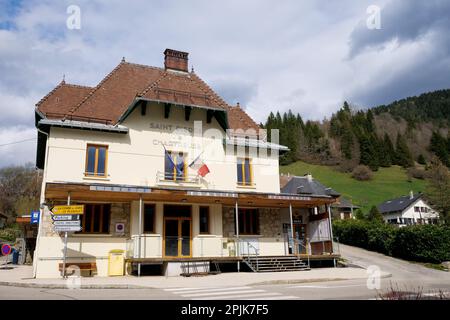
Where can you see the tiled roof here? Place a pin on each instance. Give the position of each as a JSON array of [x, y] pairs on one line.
[[239, 119], [398, 204], [110, 99], [307, 186], [61, 99], [344, 203]]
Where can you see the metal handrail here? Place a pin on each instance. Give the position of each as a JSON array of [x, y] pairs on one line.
[[187, 178], [249, 255], [296, 243]]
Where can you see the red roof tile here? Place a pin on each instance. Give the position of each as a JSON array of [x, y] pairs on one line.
[[110, 99], [61, 99]]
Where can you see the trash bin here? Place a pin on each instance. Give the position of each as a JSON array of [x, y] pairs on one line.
[[116, 262], [15, 256]]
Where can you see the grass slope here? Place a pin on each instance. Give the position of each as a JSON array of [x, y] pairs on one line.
[[387, 183]]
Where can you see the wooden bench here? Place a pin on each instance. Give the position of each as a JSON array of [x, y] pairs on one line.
[[86, 266]]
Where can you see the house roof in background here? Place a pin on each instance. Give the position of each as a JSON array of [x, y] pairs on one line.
[[398, 204], [344, 203], [307, 186]]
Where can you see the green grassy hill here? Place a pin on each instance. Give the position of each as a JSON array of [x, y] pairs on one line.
[[387, 183]]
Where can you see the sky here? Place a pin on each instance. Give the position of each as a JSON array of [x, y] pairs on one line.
[[307, 56]]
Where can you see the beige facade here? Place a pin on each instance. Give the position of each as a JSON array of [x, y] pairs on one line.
[[135, 177]]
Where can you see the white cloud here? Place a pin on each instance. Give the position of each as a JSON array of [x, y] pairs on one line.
[[267, 55]]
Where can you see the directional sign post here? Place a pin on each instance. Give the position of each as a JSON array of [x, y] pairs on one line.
[[67, 229], [66, 223], [78, 209], [66, 219]]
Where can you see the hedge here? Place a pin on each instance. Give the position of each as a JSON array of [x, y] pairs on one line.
[[422, 243]]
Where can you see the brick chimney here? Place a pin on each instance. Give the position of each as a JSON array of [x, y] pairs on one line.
[[176, 60]]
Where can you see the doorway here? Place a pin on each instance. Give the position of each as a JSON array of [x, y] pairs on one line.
[[177, 240]]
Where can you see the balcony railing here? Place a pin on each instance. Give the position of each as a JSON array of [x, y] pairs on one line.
[[170, 178]]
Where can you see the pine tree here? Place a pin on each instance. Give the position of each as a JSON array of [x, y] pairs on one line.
[[439, 146], [421, 159], [403, 155], [375, 215]]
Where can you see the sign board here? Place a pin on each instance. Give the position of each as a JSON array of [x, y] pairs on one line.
[[6, 249], [34, 217], [66, 217], [75, 209], [67, 223], [67, 228]]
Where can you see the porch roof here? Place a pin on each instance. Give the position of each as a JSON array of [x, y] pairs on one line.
[[125, 193]]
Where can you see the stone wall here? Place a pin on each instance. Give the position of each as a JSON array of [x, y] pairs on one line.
[[120, 212], [270, 224]]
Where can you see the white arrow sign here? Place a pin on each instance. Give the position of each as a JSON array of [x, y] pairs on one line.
[[67, 228], [67, 217], [67, 223]]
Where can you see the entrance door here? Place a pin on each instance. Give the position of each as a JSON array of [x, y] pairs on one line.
[[177, 237]]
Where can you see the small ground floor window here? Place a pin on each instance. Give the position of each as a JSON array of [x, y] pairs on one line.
[[96, 218]]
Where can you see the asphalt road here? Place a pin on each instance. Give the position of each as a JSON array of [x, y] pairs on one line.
[[405, 276]]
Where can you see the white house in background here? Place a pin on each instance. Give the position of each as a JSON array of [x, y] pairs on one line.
[[408, 210]]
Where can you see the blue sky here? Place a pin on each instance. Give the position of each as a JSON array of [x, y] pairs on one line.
[[308, 56]]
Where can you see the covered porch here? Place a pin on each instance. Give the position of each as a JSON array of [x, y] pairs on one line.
[[180, 227]]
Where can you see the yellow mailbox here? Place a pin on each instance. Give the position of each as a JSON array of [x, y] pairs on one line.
[[116, 262]]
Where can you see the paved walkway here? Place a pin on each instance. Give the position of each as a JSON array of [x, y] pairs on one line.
[[22, 276]]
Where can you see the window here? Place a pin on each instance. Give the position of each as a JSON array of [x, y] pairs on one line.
[[416, 209], [96, 158], [248, 221], [96, 218], [204, 220], [149, 218], [175, 166], [244, 172]]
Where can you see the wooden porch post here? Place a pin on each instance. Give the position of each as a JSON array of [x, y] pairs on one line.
[[237, 235], [294, 249], [330, 226], [140, 233]]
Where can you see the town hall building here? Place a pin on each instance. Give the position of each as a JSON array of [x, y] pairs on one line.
[[171, 174]]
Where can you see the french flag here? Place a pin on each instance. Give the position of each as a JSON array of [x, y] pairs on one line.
[[198, 165]]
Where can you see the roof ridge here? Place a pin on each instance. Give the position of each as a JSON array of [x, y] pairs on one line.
[[59, 85], [143, 65], [109, 75], [153, 84], [78, 86], [249, 118], [214, 94]]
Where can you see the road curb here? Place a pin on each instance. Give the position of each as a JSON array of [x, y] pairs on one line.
[[295, 281], [62, 286]]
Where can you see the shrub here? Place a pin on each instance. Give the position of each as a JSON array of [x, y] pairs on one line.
[[417, 173], [351, 232], [9, 234], [362, 173], [423, 243], [380, 237]]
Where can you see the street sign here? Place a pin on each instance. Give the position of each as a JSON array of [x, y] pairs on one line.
[[67, 223], [76, 209], [66, 217], [67, 228], [6, 249], [34, 217]]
